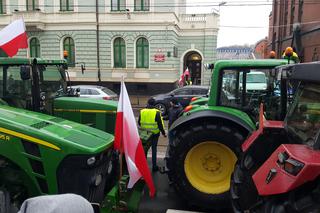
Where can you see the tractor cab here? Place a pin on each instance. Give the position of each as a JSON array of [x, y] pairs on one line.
[[32, 83], [279, 168]]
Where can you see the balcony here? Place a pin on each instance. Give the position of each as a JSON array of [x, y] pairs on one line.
[[33, 19], [198, 21]]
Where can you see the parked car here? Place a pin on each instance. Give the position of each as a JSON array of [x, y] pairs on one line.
[[93, 91], [183, 95]]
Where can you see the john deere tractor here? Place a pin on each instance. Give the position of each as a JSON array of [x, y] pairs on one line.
[[41, 154], [207, 138]]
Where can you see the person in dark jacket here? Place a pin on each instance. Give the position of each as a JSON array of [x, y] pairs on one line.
[[151, 120], [173, 114]]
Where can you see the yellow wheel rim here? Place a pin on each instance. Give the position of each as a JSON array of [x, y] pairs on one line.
[[208, 167]]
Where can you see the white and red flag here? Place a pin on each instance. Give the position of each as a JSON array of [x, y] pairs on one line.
[[186, 72], [13, 37], [127, 141]]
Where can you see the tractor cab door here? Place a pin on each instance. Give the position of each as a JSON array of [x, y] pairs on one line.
[[15, 85], [52, 83]]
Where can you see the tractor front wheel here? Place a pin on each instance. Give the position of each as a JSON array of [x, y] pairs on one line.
[[200, 163]]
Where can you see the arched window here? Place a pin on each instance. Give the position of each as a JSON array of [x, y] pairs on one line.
[[2, 53], [68, 45], [34, 48], [142, 53], [119, 53], [2, 7]]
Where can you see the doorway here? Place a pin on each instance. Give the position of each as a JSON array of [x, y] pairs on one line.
[[193, 61]]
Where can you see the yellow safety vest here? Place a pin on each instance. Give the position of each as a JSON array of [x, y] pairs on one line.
[[148, 120]]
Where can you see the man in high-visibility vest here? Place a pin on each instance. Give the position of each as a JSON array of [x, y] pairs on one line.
[[151, 119]]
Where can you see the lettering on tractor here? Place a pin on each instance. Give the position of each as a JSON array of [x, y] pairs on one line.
[[4, 137]]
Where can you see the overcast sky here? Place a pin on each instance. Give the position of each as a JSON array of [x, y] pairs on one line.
[[238, 24]]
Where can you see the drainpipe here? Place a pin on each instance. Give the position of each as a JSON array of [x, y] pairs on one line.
[[98, 42]]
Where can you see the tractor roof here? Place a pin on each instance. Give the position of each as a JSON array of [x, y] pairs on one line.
[[28, 61], [249, 63], [302, 72]]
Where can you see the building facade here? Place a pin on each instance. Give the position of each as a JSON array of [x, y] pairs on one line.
[[150, 42], [295, 23], [234, 52]]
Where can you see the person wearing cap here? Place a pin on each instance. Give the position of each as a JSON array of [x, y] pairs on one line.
[[151, 119], [290, 53], [173, 114]]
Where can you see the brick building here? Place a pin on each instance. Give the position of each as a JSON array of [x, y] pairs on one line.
[[295, 23]]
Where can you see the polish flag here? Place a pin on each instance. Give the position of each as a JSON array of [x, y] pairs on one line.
[[181, 80], [186, 72], [13, 37], [127, 140]]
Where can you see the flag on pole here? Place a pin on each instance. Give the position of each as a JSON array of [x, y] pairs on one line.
[[127, 141], [186, 72], [13, 37], [181, 80]]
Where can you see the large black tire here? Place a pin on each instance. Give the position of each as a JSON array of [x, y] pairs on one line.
[[184, 142]]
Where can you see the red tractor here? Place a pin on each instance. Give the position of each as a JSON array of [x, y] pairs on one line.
[[279, 171]]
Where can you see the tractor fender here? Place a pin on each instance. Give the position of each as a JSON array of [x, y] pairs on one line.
[[271, 178], [210, 114]]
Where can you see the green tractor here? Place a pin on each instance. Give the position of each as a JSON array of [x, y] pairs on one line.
[[207, 138], [41, 154]]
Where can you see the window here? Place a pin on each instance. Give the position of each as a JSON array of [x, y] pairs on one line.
[[2, 53], [118, 5], [93, 92], [66, 5], [2, 7], [182, 92], [32, 4], [142, 53], [34, 48], [84, 91], [141, 5], [119, 53], [68, 45]]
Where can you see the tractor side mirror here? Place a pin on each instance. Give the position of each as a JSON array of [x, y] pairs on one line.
[[25, 73]]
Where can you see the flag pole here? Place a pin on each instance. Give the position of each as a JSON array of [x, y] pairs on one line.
[[121, 146]]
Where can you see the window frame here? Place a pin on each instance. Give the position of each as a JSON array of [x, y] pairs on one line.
[[118, 6], [68, 7], [119, 61], [2, 7], [71, 50], [145, 57], [142, 6], [35, 45], [33, 3]]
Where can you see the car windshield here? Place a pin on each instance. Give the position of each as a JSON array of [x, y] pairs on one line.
[[108, 91], [303, 119], [255, 77]]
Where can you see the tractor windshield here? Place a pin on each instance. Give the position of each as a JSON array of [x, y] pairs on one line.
[[15, 85], [246, 88], [303, 119], [52, 79]]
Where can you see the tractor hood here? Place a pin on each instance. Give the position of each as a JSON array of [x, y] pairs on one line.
[[52, 132], [88, 104], [97, 113]]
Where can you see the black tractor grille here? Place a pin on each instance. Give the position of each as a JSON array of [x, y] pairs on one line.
[[76, 176]]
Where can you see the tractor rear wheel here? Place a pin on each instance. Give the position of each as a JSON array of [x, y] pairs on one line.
[[200, 163]]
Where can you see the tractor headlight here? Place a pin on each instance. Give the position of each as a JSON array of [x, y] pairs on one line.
[[91, 161]]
